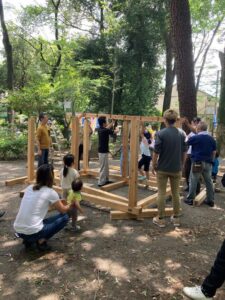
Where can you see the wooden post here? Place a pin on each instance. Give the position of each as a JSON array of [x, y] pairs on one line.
[[125, 150], [86, 141], [75, 140], [30, 149], [134, 145]]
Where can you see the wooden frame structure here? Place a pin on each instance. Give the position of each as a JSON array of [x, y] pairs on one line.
[[121, 207]]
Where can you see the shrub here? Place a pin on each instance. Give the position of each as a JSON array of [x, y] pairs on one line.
[[13, 148]]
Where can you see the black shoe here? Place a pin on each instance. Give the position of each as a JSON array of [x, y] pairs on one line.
[[108, 182], [209, 203], [187, 189], [28, 245], [44, 247], [2, 213], [189, 202]]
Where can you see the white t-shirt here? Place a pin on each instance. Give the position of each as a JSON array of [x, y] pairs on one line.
[[33, 209], [70, 177], [145, 147]]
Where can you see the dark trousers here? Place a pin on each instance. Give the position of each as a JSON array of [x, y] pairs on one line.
[[217, 275], [43, 158], [52, 225], [81, 150], [187, 171]]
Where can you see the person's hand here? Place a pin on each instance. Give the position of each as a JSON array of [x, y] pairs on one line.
[[154, 168], [185, 121], [39, 152]]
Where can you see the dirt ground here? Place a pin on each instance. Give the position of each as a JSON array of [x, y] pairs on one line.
[[109, 259]]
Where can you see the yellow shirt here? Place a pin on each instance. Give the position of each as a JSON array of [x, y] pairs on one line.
[[73, 196], [43, 136]]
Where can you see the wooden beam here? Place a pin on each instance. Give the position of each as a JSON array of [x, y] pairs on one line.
[[98, 192], [75, 140], [94, 172], [114, 204], [113, 186], [134, 144], [151, 199], [86, 142], [146, 213], [199, 199], [13, 181], [125, 150], [30, 148]]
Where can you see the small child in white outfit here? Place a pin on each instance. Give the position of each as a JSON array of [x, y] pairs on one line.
[[68, 174]]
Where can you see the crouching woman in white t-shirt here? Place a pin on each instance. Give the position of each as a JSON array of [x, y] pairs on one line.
[[30, 223]]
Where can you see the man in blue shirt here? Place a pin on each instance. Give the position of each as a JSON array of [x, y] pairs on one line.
[[202, 156]]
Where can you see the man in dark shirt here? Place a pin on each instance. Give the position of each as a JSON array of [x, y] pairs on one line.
[[202, 156], [104, 132], [168, 158]]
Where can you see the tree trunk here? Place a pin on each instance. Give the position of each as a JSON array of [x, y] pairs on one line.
[[182, 43], [221, 110], [170, 73], [9, 55]]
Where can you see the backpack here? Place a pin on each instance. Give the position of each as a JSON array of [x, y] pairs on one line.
[[223, 180]]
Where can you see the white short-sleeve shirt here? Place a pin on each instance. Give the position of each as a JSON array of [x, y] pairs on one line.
[[70, 177], [33, 209]]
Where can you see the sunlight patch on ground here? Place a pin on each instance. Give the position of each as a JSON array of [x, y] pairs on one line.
[[90, 234], [87, 246], [172, 265], [107, 230], [51, 296], [177, 233], [115, 269], [10, 243], [143, 239]]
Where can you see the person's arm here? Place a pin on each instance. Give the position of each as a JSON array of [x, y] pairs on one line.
[[188, 124], [61, 207], [214, 155], [110, 125], [142, 130], [77, 204], [38, 137], [154, 162]]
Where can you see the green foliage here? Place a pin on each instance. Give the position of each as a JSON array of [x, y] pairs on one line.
[[11, 146]]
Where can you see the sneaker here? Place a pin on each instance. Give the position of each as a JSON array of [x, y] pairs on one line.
[[195, 293], [75, 229], [43, 247], [188, 202], [141, 177], [159, 222], [209, 203], [175, 221]]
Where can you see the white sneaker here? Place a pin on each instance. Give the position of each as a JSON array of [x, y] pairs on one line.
[[195, 293]]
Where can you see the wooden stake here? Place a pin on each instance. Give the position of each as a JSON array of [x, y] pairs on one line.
[[114, 185], [200, 198], [134, 144], [86, 141], [125, 150], [97, 192], [75, 140], [151, 199], [30, 149]]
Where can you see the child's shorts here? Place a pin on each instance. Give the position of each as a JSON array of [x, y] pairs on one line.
[[144, 161]]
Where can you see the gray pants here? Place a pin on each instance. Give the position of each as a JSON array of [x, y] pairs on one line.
[[194, 179], [104, 168]]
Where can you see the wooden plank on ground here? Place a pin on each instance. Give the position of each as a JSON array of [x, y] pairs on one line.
[[151, 199], [98, 192], [117, 168], [94, 172], [199, 199], [13, 181], [113, 186], [114, 204], [146, 213]]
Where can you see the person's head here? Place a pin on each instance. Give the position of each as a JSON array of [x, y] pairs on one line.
[[147, 135], [43, 118], [102, 121], [202, 126], [68, 160], [195, 121], [44, 177], [170, 117], [77, 185], [217, 154]]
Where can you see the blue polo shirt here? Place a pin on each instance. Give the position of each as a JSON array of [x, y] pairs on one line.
[[203, 146]]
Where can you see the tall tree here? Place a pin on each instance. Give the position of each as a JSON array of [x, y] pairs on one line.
[[8, 53], [221, 110], [182, 33]]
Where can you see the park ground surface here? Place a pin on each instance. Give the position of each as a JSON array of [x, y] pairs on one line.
[[109, 259]]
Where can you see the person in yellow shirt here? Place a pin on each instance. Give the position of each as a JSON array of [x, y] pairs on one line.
[[43, 139], [73, 200]]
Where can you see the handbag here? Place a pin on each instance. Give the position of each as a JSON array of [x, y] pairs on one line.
[[197, 167]]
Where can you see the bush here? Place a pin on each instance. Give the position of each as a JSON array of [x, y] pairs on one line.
[[13, 148]]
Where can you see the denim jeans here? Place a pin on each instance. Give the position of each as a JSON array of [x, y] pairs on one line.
[[43, 158], [162, 178], [52, 225], [217, 274], [194, 179]]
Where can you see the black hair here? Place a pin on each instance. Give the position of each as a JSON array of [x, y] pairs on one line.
[[68, 160], [171, 122], [44, 177], [148, 136], [76, 185], [196, 120], [217, 154], [41, 116], [101, 121]]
